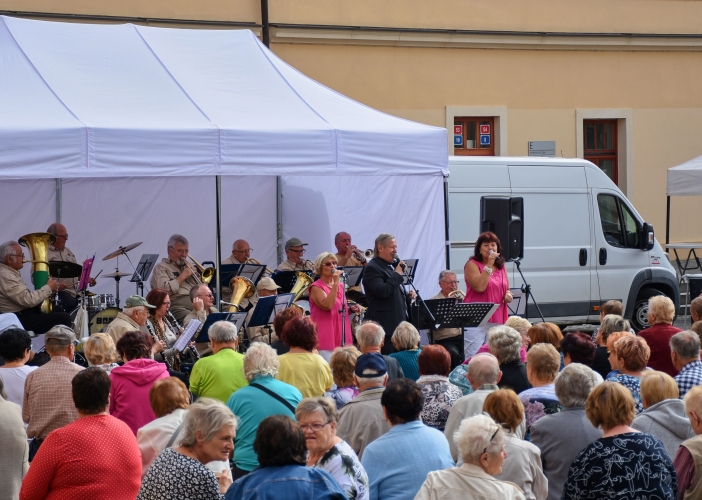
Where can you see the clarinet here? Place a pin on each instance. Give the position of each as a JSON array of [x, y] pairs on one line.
[[179, 329], [150, 327]]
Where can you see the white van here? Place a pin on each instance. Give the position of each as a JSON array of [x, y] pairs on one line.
[[584, 242]]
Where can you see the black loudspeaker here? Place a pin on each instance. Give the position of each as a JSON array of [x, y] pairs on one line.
[[504, 216]]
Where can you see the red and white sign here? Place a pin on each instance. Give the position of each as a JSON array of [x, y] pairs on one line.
[[458, 130], [485, 129]]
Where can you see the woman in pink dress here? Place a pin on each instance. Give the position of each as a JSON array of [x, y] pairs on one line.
[[326, 301], [486, 280]]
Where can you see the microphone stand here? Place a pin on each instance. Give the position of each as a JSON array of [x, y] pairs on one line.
[[343, 311], [527, 290], [419, 299]]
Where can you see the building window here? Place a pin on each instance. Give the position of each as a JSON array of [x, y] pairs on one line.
[[474, 136], [600, 145]]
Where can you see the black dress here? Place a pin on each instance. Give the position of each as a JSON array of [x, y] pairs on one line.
[[601, 362], [514, 377]]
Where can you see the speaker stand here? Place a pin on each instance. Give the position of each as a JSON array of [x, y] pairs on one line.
[[527, 290]]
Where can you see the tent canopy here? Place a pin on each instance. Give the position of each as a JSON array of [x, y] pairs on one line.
[[83, 100], [685, 179]]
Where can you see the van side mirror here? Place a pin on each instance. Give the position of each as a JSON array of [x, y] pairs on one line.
[[647, 236]]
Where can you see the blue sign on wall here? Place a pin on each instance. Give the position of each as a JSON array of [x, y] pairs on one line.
[[485, 140], [458, 140]]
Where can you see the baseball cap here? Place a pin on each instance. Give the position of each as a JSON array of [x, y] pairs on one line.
[[294, 242], [136, 301], [266, 284], [60, 335], [370, 365]]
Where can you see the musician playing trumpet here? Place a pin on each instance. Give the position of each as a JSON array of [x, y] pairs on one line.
[[348, 254], [450, 338], [176, 276]]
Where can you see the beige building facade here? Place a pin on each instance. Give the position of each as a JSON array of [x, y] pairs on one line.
[[615, 81]]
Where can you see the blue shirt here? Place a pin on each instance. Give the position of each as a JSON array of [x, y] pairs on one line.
[[690, 375], [398, 462], [291, 482], [251, 406]]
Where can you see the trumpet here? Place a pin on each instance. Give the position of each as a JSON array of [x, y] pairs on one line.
[[206, 274], [254, 261], [360, 255], [457, 294], [369, 254]]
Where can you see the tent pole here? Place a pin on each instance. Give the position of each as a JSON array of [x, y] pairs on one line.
[[279, 216], [218, 238], [265, 27], [667, 223], [59, 193], [446, 224]]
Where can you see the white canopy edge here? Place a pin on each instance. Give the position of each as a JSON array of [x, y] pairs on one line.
[[685, 179]]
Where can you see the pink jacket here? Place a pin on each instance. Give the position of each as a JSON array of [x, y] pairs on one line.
[[129, 395]]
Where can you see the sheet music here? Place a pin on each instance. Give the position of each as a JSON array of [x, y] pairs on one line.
[[187, 335], [410, 265], [251, 271], [282, 301]]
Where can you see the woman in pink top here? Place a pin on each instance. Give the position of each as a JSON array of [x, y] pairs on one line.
[[326, 300]]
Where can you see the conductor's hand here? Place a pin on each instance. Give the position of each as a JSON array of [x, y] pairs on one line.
[[53, 284], [492, 257], [198, 305], [399, 269]]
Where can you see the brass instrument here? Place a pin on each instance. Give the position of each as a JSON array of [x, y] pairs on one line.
[[302, 283], [206, 274], [369, 254], [38, 246], [241, 288], [254, 261], [457, 294], [360, 256]]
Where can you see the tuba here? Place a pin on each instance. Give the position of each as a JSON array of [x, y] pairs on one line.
[[241, 288], [38, 245], [302, 283], [206, 273]]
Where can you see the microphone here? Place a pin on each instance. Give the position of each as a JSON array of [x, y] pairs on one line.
[[397, 260], [490, 252]]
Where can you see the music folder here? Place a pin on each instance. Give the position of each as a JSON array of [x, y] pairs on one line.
[[237, 318]]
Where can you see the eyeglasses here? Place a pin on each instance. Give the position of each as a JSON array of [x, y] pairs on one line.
[[454, 282], [298, 252], [313, 427], [248, 250], [209, 296], [493, 437], [181, 252]]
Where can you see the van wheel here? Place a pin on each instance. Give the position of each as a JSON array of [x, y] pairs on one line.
[[639, 316]]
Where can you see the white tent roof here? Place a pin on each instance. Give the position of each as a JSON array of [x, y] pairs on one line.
[[685, 179], [84, 100]]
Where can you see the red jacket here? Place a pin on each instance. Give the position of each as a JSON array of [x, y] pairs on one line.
[[658, 339]]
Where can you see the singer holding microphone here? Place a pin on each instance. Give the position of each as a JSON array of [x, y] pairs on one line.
[[486, 280], [327, 299]]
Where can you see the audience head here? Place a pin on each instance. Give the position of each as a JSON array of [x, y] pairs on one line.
[[661, 310], [343, 364], [209, 428], [696, 309], [15, 345], [300, 332], [505, 343], [318, 419], [167, 395], [697, 328], [370, 371], [100, 349], [543, 363], [505, 408], [657, 387], [402, 401], [684, 348], [135, 345], [522, 325], [281, 319], [370, 335], [574, 384], [610, 404], [611, 307], [610, 324], [60, 341], [481, 442], [612, 350], [577, 347], [280, 441], [545, 333], [91, 391], [405, 337], [632, 353], [483, 369], [434, 359], [223, 332], [260, 360], [693, 408]]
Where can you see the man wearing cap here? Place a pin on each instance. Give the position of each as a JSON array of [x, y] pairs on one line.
[[175, 275], [294, 250], [48, 398], [361, 420], [133, 317], [265, 288]]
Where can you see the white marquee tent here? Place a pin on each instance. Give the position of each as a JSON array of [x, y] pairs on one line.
[[122, 130], [683, 180]]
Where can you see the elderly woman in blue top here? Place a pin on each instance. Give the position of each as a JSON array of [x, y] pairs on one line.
[[398, 462]]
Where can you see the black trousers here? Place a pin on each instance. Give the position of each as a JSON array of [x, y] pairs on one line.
[[239, 472], [68, 302], [34, 447], [454, 345], [33, 320]]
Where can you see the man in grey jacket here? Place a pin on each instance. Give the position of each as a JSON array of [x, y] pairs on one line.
[[562, 436]]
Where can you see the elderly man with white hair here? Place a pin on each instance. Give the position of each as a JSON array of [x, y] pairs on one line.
[[131, 318], [685, 354], [371, 338], [481, 444], [562, 436], [483, 375], [263, 397], [220, 375]]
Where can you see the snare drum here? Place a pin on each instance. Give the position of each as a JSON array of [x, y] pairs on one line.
[[100, 321]]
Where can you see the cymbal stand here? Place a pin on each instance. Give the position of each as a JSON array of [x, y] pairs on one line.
[[117, 278], [57, 300]]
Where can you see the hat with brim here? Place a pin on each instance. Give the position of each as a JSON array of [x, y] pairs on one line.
[[60, 335], [136, 301], [294, 242], [266, 284]]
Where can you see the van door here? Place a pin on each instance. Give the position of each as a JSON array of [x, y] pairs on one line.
[[558, 241], [619, 255]]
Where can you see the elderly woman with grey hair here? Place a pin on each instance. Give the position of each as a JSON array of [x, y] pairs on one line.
[[318, 419], [208, 432], [264, 396], [610, 324], [562, 436], [481, 444], [405, 339], [505, 343]]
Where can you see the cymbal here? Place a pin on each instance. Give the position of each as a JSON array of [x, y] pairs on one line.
[[63, 269], [122, 251], [118, 274]]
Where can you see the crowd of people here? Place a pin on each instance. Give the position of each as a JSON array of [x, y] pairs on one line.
[[526, 412]]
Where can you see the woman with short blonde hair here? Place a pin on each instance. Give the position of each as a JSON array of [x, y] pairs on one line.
[[632, 356], [405, 339], [343, 364], [604, 468], [543, 363], [100, 351]]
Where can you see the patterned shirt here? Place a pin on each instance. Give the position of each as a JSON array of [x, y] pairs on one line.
[[631, 383], [690, 375], [439, 397], [342, 463], [174, 476], [48, 398]]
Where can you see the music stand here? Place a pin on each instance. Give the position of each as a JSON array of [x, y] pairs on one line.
[[439, 308], [519, 302], [354, 275], [251, 271], [237, 318], [409, 271], [282, 301], [226, 273], [285, 280], [262, 312], [143, 270], [469, 314]]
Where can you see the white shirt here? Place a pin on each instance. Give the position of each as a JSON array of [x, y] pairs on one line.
[[14, 378]]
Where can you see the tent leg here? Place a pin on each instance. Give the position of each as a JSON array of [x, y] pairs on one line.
[[59, 199], [667, 223], [218, 238], [446, 224], [279, 216]]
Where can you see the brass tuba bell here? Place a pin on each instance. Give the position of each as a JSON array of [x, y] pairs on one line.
[[302, 283], [38, 246], [242, 288]]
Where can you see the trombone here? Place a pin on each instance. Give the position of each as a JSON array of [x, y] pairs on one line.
[[202, 275]]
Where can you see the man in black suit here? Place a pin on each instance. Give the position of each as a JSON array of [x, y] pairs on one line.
[[382, 282]]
